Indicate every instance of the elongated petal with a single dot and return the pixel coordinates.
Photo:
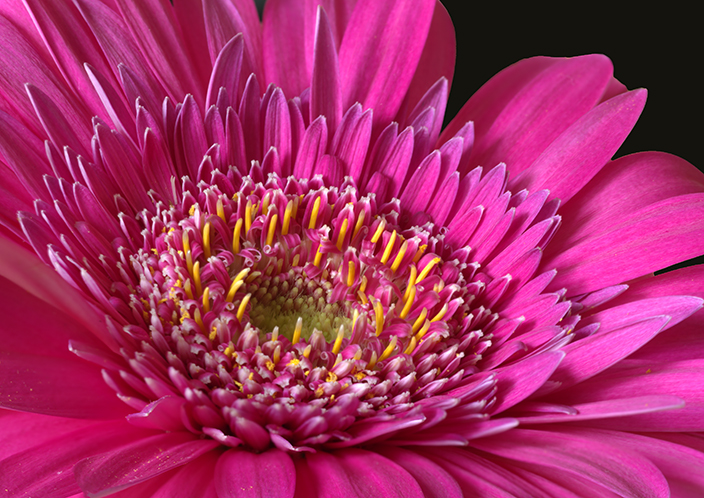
(241, 473)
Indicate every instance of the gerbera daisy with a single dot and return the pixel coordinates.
(245, 259)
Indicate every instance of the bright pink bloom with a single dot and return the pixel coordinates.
(243, 259)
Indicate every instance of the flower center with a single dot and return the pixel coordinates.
(281, 315)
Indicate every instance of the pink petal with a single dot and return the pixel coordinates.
(517, 120)
(434, 481)
(602, 463)
(51, 462)
(569, 162)
(380, 53)
(226, 71)
(325, 95)
(196, 478)
(242, 473)
(355, 472)
(436, 61)
(647, 240)
(138, 461)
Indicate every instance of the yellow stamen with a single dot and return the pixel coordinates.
(389, 247)
(419, 253)
(265, 204)
(296, 202)
(192, 210)
(243, 306)
(206, 299)
(343, 232)
(360, 221)
(236, 236)
(389, 349)
(277, 354)
(372, 362)
(272, 229)
(423, 330)
(221, 210)
(296, 259)
(229, 350)
(306, 352)
(362, 297)
(419, 321)
(379, 231)
(350, 273)
(411, 346)
(411, 281)
(287, 218)
(213, 333)
(198, 319)
(187, 289)
(314, 213)
(379, 316)
(338, 340)
(399, 256)
(275, 334)
(248, 217)
(318, 256)
(187, 252)
(440, 314)
(206, 240)
(236, 284)
(431, 264)
(196, 278)
(409, 302)
(297, 331)
(252, 277)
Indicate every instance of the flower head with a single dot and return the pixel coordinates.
(245, 259)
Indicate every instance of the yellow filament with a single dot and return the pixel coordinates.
(213, 333)
(389, 349)
(318, 256)
(427, 269)
(411, 346)
(379, 231)
(419, 321)
(343, 232)
(314, 213)
(296, 259)
(187, 252)
(206, 299)
(411, 281)
(362, 297)
(241, 275)
(296, 202)
(198, 319)
(440, 314)
(399, 256)
(265, 204)
(236, 284)
(229, 350)
(363, 286)
(248, 217)
(236, 236)
(287, 218)
(196, 278)
(243, 306)
(350, 273)
(206, 240)
(355, 317)
(252, 277)
(423, 330)
(419, 253)
(187, 289)
(277, 354)
(272, 229)
(389, 247)
(306, 352)
(221, 210)
(360, 222)
(372, 361)
(297, 331)
(338, 340)
(379, 316)
(275, 334)
(409, 302)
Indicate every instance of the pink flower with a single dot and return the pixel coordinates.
(243, 259)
